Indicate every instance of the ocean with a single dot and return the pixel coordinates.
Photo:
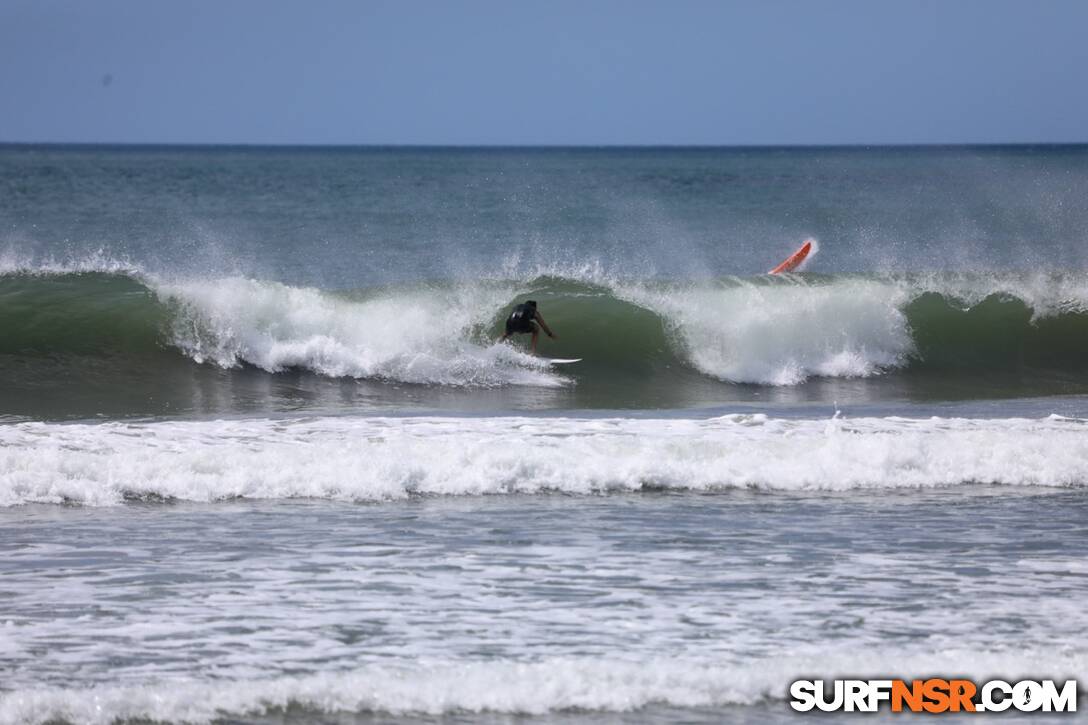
(263, 461)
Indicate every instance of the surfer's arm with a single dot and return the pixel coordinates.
(544, 325)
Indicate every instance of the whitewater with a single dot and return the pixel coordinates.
(380, 459)
(262, 459)
(675, 341)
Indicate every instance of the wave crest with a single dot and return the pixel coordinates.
(376, 459)
(762, 330)
(417, 336)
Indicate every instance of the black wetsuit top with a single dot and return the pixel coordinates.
(521, 319)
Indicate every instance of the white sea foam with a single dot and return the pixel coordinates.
(415, 336)
(411, 335)
(512, 687)
(748, 331)
(373, 459)
(778, 331)
(782, 334)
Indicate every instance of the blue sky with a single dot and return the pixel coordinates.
(556, 72)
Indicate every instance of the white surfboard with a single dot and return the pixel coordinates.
(562, 361)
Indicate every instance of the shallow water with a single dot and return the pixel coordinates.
(531, 604)
(261, 461)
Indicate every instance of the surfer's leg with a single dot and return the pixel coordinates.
(536, 334)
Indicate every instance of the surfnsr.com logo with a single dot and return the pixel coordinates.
(934, 695)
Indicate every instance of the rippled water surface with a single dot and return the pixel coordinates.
(531, 604)
(263, 460)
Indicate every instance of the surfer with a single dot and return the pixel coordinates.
(521, 320)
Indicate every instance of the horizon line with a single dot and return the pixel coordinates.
(544, 146)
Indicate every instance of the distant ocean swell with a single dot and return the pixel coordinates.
(773, 331)
(376, 459)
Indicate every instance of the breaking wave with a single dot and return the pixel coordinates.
(763, 330)
(377, 459)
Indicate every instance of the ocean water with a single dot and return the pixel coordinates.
(262, 460)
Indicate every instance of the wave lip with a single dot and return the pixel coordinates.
(417, 335)
(782, 333)
(421, 336)
(778, 331)
(379, 459)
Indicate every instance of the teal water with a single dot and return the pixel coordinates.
(262, 460)
(356, 217)
(158, 281)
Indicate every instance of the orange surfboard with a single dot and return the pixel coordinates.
(794, 260)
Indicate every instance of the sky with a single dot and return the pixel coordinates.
(554, 72)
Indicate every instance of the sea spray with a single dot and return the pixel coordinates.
(770, 331)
